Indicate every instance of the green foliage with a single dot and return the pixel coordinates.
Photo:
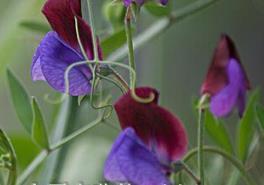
(21, 101)
(260, 116)
(246, 127)
(113, 42)
(39, 132)
(35, 26)
(158, 10)
(114, 13)
(28, 113)
(217, 131)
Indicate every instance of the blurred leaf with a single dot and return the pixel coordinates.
(20, 100)
(2, 181)
(8, 157)
(246, 127)
(113, 42)
(39, 132)
(25, 149)
(217, 132)
(157, 9)
(35, 26)
(114, 13)
(260, 116)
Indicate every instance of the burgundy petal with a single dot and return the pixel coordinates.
(131, 161)
(155, 125)
(55, 58)
(60, 14)
(217, 78)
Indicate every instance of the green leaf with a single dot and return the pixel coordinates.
(217, 132)
(260, 116)
(246, 127)
(113, 42)
(35, 26)
(21, 101)
(39, 132)
(158, 10)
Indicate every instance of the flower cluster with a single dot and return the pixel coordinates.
(152, 138)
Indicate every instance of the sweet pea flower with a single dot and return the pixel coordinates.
(59, 48)
(141, 2)
(131, 161)
(158, 128)
(226, 82)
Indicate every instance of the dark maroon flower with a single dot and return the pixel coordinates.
(59, 48)
(226, 81)
(158, 128)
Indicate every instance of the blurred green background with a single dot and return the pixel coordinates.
(175, 63)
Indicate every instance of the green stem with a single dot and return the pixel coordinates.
(191, 174)
(74, 135)
(200, 145)
(227, 156)
(131, 55)
(32, 166)
(45, 153)
(161, 26)
(12, 177)
(91, 18)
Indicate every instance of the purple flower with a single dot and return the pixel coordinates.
(141, 2)
(60, 48)
(131, 161)
(226, 81)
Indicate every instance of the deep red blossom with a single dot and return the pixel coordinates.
(60, 14)
(156, 126)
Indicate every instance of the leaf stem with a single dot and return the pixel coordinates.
(227, 156)
(191, 173)
(200, 140)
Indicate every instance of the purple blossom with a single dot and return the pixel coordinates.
(59, 49)
(226, 81)
(131, 161)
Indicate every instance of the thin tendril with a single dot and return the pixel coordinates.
(80, 42)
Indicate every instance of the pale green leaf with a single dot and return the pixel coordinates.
(39, 132)
(21, 101)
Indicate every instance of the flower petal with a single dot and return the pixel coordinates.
(164, 2)
(55, 58)
(217, 78)
(131, 161)
(223, 102)
(60, 14)
(36, 71)
(156, 126)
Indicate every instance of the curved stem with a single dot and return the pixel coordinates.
(200, 145)
(234, 161)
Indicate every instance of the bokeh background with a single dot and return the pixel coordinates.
(175, 63)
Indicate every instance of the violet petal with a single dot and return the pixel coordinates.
(223, 102)
(131, 161)
(55, 58)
